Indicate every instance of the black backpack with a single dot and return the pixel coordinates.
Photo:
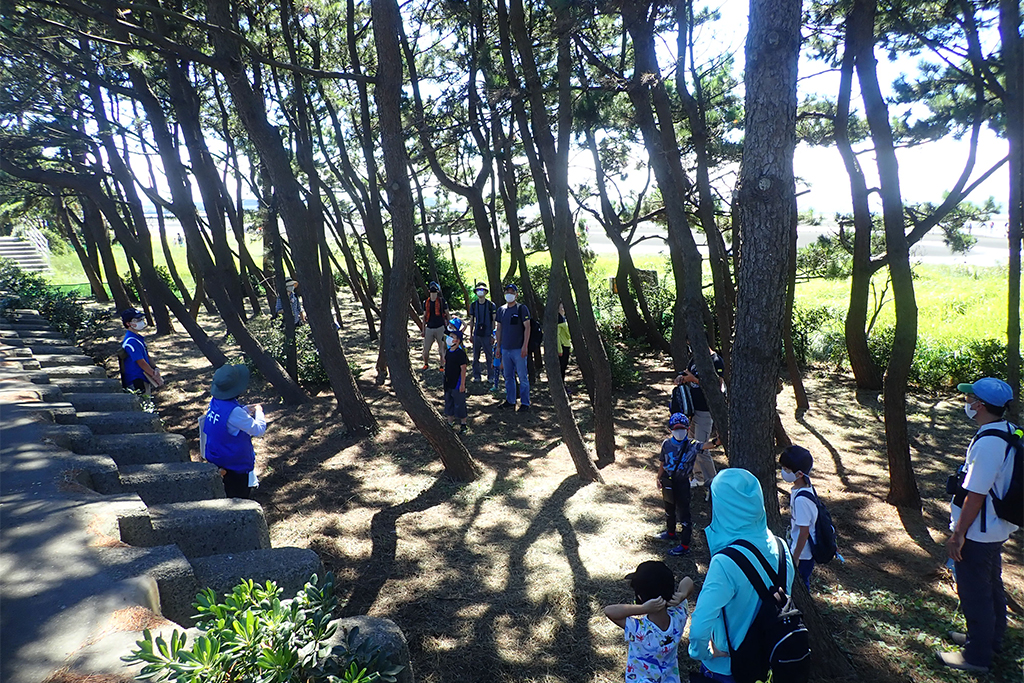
(825, 548)
(1011, 506)
(682, 401)
(536, 332)
(777, 641)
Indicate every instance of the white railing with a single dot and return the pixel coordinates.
(39, 241)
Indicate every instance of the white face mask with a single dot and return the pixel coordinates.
(971, 412)
(679, 434)
(510, 298)
(788, 477)
(450, 341)
(433, 295)
(481, 293)
(138, 325)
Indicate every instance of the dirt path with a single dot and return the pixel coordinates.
(504, 579)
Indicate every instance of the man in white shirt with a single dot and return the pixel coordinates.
(976, 543)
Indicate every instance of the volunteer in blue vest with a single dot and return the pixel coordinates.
(976, 544)
(435, 319)
(138, 372)
(229, 428)
(513, 335)
(481, 320)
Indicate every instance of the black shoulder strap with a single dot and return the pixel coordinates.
(748, 570)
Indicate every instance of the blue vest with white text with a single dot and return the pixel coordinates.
(233, 453)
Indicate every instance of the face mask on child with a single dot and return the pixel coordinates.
(450, 341)
(510, 298)
(678, 434)
(481, 293)
(971, 412)
(138, 325)
(788, 477)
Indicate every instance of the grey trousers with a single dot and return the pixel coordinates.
(700, 429)
(979, 583)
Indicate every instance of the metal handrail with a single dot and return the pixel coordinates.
(39, 241)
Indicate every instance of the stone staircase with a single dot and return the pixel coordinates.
(106, 525)
(25, 253)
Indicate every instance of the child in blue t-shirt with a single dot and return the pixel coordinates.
(138, 372)
(654, 625)
(675, 464)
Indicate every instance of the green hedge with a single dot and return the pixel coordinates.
(63, 310)
(269, 332)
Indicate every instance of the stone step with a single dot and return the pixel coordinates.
(100, 402)
(51, 338)
(76, 438)
(22, 386)
(76, 371)
(55, 412)
(87, 385)
(53, 360)
(141, 449)
(199, 528)
(29, 363)
(173, 482)
(42, 349)
(174, 577)
(289, 568)
(30, 327)
(121, 422)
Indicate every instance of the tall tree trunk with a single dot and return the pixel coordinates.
(1013, 103)
(95, 283)
(94, 229)
(767, 201)
(903, 491)
(386, 30)
(866, 372)
(799, 392)
(557, 284)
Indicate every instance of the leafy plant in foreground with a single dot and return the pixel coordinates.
(252, 635)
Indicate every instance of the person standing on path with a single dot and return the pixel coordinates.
(514, 343)
(978, 533)
(292, 288)
(137, 370)
(564, 345)
(481, 320)
(701, 424)
(435, 319)
(228, 429)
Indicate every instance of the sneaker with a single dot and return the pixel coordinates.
(680, 550)
(955, 660)
(958, 638)
(665, 536)
(524, 409)
(506, 404)
(463, 429)
(425, 367)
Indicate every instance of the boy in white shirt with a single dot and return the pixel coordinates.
(796, 462)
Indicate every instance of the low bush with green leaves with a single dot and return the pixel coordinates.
(269, 332)
(62, 309)
(254, 635)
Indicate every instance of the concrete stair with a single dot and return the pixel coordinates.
(24, 254)
(172, 482)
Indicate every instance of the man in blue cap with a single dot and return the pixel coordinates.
(137, 370)
(228, 429)
(513, 333)
(976, 544)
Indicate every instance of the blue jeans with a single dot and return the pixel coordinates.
(512, 364)
(712, 676)
(979, 584)
(805, 569)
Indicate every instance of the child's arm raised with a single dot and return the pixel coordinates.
(619, 613)
(682, 592)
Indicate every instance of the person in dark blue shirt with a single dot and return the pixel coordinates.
(137, 369)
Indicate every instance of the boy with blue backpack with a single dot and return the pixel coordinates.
(675, 464)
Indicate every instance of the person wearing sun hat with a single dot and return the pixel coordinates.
(978, 533)
(228, 429)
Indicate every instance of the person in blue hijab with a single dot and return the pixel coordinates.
(737, 512)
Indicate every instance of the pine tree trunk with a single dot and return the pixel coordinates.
(1013, 103)
(456, 459)
(903, 491)
(95, 283)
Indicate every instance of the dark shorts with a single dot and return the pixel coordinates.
(455, 403)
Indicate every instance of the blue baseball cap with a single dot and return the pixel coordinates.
(797, 459)
(130, 314)
(992, 391)
(678, 420)
(512, 286)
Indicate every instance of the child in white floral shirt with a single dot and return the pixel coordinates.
(654, 624)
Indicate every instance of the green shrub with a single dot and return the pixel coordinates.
(269, 332)
(62, 309)
(622, 356)
(813, 332)
(253, 636)
(133, 293)
(453, 289)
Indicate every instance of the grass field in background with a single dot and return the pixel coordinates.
(954, 301)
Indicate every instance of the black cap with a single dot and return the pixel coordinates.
(652, 579)
(797, 459)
